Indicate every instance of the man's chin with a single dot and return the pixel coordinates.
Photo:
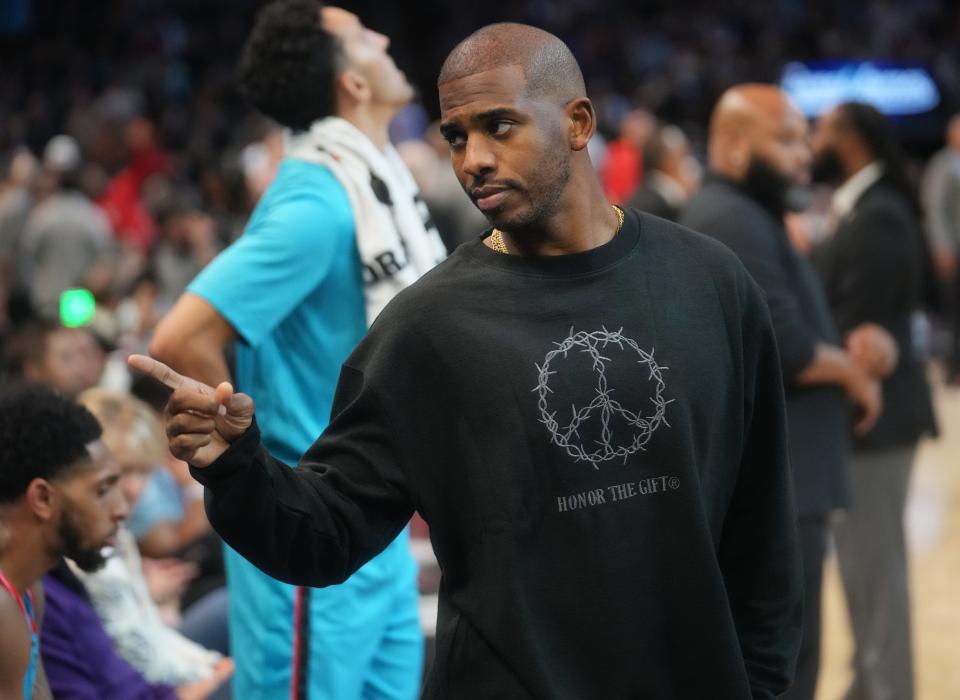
(405, 95)
(501, 223)
(503, 218)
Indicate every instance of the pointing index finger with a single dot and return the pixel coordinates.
(165, 375)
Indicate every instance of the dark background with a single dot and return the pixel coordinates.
(173, 60)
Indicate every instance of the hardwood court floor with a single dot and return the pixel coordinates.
(933, 526)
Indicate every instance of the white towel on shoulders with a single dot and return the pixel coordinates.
(396, 238)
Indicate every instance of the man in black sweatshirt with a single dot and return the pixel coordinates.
(586, 407)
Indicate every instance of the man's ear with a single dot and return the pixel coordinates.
(737, 148)
(42, 499)
(582, 122)
(352, 85)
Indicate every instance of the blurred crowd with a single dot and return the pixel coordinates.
(128, 161)
(119, 251)
(156, 137)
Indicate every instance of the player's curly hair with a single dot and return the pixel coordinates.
(289, 64)
(42, 434)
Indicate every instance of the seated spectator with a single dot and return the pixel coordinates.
(169, 519)
(672, 174)
(622, 170)
(163, 520)
(188, 241)
(67, 238)
(122, 200)
(58, 497)
(120, 592)
(16, 201)
(81, 662)
(66, 359)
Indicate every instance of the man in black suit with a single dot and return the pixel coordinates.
(875, 270)
(670, 177)
(758, 157)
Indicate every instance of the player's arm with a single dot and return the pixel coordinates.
(286, 252)
(14, 647)
(191, 339)
(41, 687)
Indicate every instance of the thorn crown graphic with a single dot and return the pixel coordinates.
(603, 404)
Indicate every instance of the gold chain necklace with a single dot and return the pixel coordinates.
(497, 243)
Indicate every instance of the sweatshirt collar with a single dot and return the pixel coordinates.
(590, 261)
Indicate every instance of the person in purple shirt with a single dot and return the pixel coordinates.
(80, 659)
(58, 496)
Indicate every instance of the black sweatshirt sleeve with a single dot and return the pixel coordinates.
(316, 524)
(759, 550)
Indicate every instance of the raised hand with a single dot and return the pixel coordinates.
(201, 421)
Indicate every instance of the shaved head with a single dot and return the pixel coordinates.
(548, 66)
(742, 107)
(514, 110)
(759, 138)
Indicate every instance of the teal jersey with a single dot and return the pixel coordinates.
(292, 288)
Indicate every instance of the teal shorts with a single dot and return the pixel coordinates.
(358, 640)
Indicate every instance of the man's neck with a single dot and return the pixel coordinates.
(583, 221)
(855, 163)
(24, 563)
(372, 123)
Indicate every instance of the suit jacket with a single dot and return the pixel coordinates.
(874, 269)
(818, 417)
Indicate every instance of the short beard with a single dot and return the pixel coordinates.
(772, 188)
(544, 200)
(828, 168)
(87, 559)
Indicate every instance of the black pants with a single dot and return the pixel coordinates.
(813, 546)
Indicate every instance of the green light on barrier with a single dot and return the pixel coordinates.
(77, 308)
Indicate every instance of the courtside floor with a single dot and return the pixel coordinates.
(933, 524)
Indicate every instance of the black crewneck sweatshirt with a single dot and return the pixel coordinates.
(598, 443)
